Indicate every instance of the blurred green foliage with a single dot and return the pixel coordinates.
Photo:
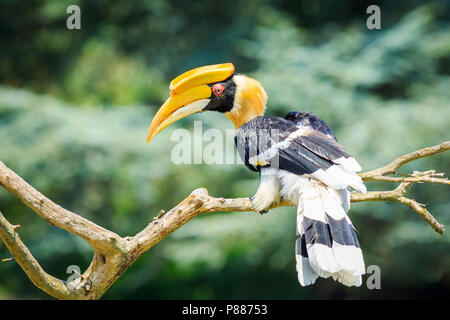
(75, 107)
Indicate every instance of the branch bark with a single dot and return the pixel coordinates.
(114, 254)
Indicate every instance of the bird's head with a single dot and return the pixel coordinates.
(217, 88)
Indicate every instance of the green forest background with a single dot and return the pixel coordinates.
(75, 108)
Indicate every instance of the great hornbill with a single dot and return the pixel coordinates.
(297, 157)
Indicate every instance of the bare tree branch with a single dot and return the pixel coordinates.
(430, 179)
(392, 167)
(96, 236)
(28, 263)
(383, 174)
(113, 254)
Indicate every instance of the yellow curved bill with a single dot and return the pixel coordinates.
(179, 106)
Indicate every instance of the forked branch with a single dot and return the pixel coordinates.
(114, 254)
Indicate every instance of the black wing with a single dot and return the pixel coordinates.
(302, 143)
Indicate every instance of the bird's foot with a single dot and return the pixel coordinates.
(261, 204)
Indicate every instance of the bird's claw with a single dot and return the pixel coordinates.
(257, 208)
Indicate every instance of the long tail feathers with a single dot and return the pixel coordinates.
(327, 245)
(306, 274)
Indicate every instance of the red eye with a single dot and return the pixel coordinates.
(218, 89)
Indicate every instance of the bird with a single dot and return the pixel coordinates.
(298, 160)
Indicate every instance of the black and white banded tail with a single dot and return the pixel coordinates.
(326, 245)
